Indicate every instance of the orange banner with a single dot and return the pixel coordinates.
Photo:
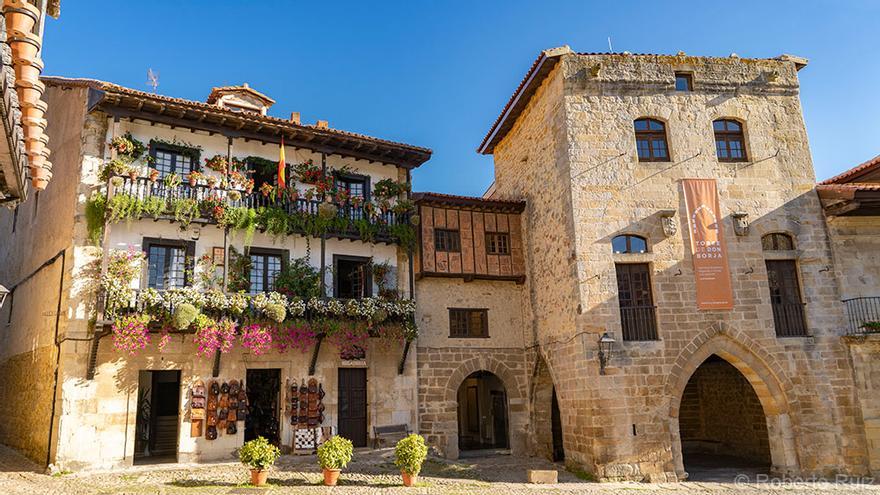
(711, 271)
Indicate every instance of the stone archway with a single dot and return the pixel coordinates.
(545, 422)
(441, 428)
(766, 385)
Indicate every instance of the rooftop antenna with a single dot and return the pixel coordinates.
(610, 48)
(152, 79)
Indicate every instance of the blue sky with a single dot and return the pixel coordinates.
(437, 74)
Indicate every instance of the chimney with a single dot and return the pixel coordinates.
(294, 117)
(322, 124)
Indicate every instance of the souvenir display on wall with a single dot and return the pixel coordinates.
(217, 408)
(197, 409)
(306, 409)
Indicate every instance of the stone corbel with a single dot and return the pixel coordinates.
(740, 223)
(595, 70)
(667, 220)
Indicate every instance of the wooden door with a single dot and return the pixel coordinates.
(499, 419)
(636, 301)
(556, 429)
(785, 298)
(353, 405)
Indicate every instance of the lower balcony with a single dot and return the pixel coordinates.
(789, 319)
(863, 315)
(639, 322)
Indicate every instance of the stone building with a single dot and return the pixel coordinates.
(851, 202)
(190, 187)
(598, 146)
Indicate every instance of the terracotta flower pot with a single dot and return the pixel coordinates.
(28, 75)
(32, 132)
(37, 160)
(40, 123)
(259, 477)
(25, 48)
(409, 479)
(331, 476)
(40, 178)
(21, 17)
(35, 147)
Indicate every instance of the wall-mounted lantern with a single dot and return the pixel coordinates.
(3, 293)
(667, 219)
(740, 223)
(606, 348)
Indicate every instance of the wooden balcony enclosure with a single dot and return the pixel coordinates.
(470, 238)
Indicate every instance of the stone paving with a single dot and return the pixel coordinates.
(373, 472)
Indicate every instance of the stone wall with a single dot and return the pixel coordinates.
(865, 353)
(571, 154)
(855, 242)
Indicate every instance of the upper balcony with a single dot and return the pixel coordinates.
(863, 315)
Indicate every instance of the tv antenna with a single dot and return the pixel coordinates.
(152, 79)
(610, 48)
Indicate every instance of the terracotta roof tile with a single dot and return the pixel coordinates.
(862, 169)
(473, 201)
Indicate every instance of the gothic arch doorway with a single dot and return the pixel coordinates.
(722, 424)
(482, 413)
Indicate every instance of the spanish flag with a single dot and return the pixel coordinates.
(282, 179)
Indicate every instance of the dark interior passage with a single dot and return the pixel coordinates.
(158, 418)
(263, 393)
(482, 413)
(721, 421)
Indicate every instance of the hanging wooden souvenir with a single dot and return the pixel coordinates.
(197, 409)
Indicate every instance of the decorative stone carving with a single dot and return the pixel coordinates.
(740, 223)
(667, 219)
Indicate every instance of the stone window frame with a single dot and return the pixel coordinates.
(728, 135)
(793, 255)
(687, 75)
(652, 134)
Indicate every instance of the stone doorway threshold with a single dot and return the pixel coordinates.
(471, 454)
(721, 468)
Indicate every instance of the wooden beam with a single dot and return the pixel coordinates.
(402, 364)
(314, 362)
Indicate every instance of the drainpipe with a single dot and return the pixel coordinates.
(323, 235)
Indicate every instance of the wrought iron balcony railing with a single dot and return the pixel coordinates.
(143, 188)
(863, 315)
(639, 322)
(789, 319)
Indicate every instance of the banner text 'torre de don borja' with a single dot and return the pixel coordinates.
(709, 254)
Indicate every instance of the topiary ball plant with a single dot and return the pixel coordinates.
(410, 453)
(335, 453)
(259, 455)
(184, 315)
(275, 312)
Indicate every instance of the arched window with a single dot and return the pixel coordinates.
(777, 242)
(651, 140)
(624, 244)
(730, 143)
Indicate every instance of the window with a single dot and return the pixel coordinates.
(729, 141)
(171, 159)
(637, 315)
(447, 240)
(169, 263)
(265, 267)
(468, 323)
(497, 243)
(651, 140)
(777, 242)
(352, 277)
(354, 185)
(785, 298)
(684, 81)
(626, 244)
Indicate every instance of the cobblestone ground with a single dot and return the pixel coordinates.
(373, 472)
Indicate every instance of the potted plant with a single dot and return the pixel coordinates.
(409, 454)
(194, 178)
(249, 186)
(259, 455)
(212, 181)
(266, 189)
(133, 173)
(154, 175)
(333, 455)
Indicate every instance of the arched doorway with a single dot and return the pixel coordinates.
(722, 424)
(482, 413)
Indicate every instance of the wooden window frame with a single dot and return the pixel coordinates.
(651, 136)
(349, 177)
(456, 240)
(188, 260)
(638, 323)
(194, 155)
(727, 137)
(689, 77)
(368, 279)
(484, 317)
(629, 244)
(284, 254)
(491, 240)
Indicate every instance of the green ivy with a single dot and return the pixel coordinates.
(124, 207)
(154, 206)
(241, 218)
(404, 235)
(96, 211)
(185, 210)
